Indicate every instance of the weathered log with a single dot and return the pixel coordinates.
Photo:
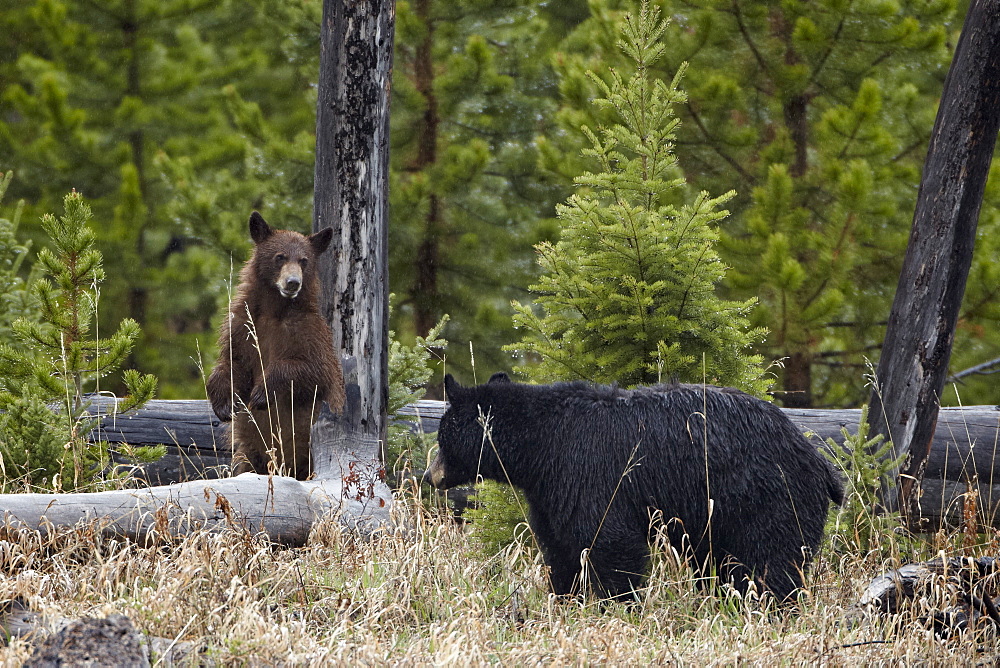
(284, 509)
(966, 441)
(963, 456)
(197, 442)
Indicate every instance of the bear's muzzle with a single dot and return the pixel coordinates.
(434, 476)
(290, 280)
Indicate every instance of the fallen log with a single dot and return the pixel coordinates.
(963, 455)
(963, 459)
(349, 485)
(284, 509)
(196, 440)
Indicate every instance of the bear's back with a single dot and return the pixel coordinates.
(606, 427)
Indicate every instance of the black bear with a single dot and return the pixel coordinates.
(276, 360)
(602, 468)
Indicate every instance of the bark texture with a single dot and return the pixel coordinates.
(351, 190)
(918, 341)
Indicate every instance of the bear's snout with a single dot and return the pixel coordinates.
(290, 281)
(434, 476)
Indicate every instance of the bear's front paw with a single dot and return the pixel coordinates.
(258, 398)
(224, 412)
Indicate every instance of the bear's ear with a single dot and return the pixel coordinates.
(321, 240)
(259, 229)
(499, 377)
(452, 389)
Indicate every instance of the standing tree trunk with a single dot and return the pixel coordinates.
(918, 340)
(424, 292)
(797, 389)
(351, 191)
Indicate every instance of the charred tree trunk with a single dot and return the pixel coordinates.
(918, 340)
(351, 190)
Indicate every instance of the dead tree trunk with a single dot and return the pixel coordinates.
(351, 191)
(918, 340)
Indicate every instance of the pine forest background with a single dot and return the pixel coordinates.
(176, 118)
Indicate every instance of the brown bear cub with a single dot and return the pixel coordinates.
(276, 359)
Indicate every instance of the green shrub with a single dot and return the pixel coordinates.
(54, 360)
(861, 525)
(410, 369)
(498, 518)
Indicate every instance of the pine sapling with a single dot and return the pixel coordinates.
(628, 293)
(62, 357)
(861, 525)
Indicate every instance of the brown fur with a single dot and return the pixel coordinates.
(276, 359)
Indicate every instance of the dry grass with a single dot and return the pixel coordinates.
(422, 596)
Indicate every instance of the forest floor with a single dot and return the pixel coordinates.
(426, 596)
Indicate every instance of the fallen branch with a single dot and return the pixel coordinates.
(947, 595)
(986, 369)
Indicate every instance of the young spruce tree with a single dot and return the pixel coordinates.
(63, 357)
(819, 115)
(628, 293)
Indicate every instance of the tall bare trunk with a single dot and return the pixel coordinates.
(351, 191)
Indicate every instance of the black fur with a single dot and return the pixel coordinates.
(569, 445)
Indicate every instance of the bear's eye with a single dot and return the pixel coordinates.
(280, 257)
(303, 262)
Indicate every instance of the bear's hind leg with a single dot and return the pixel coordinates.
(782, 577)
(249, 451)
(619, 567)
